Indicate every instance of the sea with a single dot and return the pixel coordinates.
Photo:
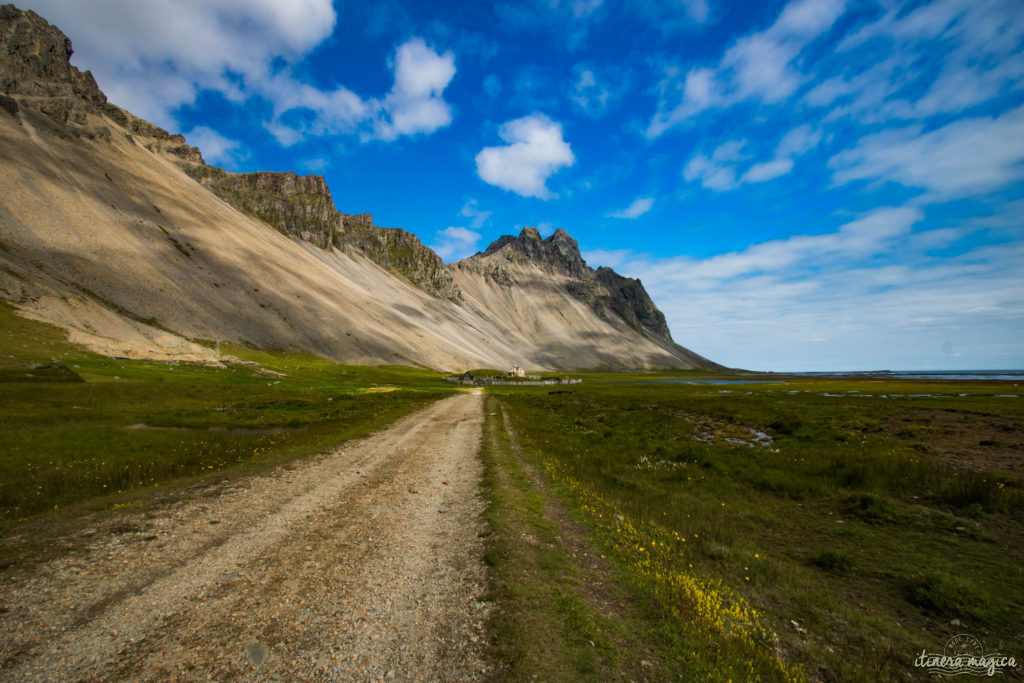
(1008, 375)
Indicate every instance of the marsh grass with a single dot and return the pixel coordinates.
(862, 533)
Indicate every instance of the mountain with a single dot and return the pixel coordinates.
(542, 289)
(118, 231)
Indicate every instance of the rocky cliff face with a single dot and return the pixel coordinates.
(298, 206)
(627, 297)
(34, 65)
(606, 292)
(397, 250)
(36, 74)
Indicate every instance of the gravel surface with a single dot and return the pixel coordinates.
(362, 564)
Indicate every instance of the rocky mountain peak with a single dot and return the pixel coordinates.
(628, 298)
(567, 246)
(35, 67)
(35, 59)
(530, 233)
(559, 251)
(36, 74)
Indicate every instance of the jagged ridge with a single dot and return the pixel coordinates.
(36, 66)
(603, 290)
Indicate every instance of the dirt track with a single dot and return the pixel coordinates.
(365, 563)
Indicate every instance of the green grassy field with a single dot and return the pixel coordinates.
(79, 428)
(828, 529)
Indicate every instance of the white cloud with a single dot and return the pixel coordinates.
(798, 141)
(215, 148)
(316, 164)
(413, 106)
(534, 151)
(592, 96)
(285, 135)
(477, 217)
(719, 172)
(767, 170)
(639, 207)
(758, 66)
(453, 243)
(967, 157)
(828, 91)
(415, 103)
(612, 258)
(581, 9)
(862, 237)
(972, 51)
(596, 90)
(335, 111)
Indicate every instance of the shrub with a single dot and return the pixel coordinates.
(944, 595)
(836, 561)
(871, 508)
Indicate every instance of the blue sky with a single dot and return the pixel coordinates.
(803, 185)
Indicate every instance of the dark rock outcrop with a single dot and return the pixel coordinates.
(558, 252)
(36, 73)
(399, 251)
(34, 62)
(627, 297)
(297, 206)
(154, 138)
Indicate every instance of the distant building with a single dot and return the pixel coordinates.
(514, 377)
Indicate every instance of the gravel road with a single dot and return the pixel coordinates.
(362, 564)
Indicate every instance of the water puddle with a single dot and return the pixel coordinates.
(221, 430)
